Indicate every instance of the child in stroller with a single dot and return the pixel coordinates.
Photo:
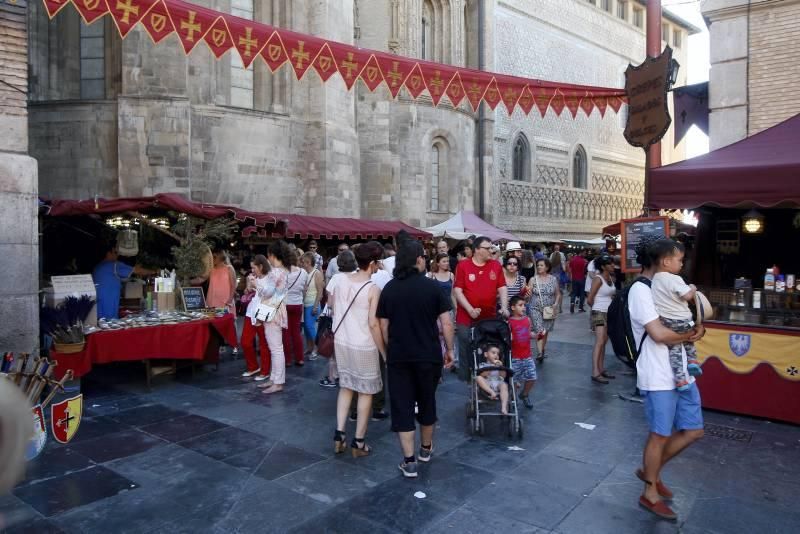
(491, 376)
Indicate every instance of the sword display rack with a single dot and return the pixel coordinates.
(32, 374)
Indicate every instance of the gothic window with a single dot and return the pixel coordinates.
(436, 31)
(93, 58)
(606, 5)
(241, 78)
(427, 30)
(521, 159)
(435, 154)
(438, 178)
(579, 169)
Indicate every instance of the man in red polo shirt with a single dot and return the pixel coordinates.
(479, 284)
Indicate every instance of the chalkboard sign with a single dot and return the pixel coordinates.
(193, 298)
(632, 231)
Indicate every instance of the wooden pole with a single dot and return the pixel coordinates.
(653, 49)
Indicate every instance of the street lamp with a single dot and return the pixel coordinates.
(753, 222)
(672, 79)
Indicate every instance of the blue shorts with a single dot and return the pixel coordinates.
(670, 409)
(524, 369)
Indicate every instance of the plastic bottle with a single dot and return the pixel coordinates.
(769, 280)
(780, 284)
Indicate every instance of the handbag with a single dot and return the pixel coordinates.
(325, 344)
(265, 313)
(548, 312)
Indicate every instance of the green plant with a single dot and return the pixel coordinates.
(198, 237)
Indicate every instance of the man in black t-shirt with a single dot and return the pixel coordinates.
(410, 309)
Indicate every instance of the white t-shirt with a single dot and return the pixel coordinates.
(388, 265)
(297, 280)
(381, 278)
(332, 270)
(590, 272)
(668, 289)
(653, 372)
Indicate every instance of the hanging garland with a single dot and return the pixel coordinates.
(277, 47)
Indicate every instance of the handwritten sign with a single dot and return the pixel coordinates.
(74, 285)
(193, 298)
(648, 114)
(632, 232)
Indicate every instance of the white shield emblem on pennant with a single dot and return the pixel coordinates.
(739, 344)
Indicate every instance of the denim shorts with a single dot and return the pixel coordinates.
(673, 409)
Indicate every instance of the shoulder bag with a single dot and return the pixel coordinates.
(325, 344)
(265, 313)
(548, 312)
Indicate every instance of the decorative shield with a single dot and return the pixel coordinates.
(65, 417)
(739, 344)
(648, 113)
(37, 442)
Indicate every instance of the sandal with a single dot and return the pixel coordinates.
(526, 401)
(606, 374)
(599, 379)
(363, 450)
(339, 442)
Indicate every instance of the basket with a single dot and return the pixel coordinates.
(69, 348)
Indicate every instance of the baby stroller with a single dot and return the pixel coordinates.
(495, 332)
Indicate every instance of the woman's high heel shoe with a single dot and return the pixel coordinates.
(339, 442)
(359, 451)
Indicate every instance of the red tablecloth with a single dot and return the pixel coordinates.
(185, 341)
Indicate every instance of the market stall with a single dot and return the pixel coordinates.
(746, 260)
(465, 224)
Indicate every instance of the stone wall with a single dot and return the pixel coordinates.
(19, 236)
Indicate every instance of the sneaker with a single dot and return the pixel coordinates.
(248, 374)
(261, 378)
(353, 416)
(313, 356)
(379, 416)
(328, 383)
(409, 469)
(425, 454)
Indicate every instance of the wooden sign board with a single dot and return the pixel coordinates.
(648, 114)
(193, 298)
(632, 231)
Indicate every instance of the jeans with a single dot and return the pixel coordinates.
(578, 292)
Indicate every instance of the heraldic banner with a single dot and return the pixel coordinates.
(741, 350)
(276, 47)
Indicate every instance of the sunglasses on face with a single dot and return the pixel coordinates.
(485, 248)
(512, 263)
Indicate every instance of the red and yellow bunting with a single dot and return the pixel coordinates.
(222, 32)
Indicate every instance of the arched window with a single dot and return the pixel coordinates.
(435, 177)
(579, 168)
(521, 159)
(427, 30)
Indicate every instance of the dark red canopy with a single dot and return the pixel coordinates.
(762, 170)
(308, 226)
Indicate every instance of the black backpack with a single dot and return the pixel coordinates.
(620, 331)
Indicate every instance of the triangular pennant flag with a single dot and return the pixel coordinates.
(414, 83)
(248, 37)
(557, 103)
(601, 103)
(455, 90)
(157, 22)
(475, 84)
(436, 78)
(127, 13)
(325, 65)
(191, 22)
(615, 102)
(492, 95)
(525, 101)
(371, 75)
(219, 38)
(54, 6)
(572, 101)
(274, 53)
(90, 10)
(587, 104)
(350, 61)
(510, 92)
(542, 98)
(395, 70)
(302, 50)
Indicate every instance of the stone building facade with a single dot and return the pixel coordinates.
(755, 66)
(113, 117)
(19, 231)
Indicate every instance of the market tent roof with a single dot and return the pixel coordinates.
(599, 242)
(762, 170)
(466, 223)
(309, 226)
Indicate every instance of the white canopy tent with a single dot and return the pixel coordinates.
(466, 223)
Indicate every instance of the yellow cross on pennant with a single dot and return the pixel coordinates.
(191, 26)
(395, 75)
(127, 8)
(247, 41)
(349, 65)
(437, 84)
(300, 55)
(475, 91)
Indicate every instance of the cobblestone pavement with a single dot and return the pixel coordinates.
(210, 453)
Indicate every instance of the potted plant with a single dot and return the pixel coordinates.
(64, 323)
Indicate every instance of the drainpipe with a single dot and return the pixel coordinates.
(481, 118)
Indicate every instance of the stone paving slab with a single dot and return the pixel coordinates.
(211, 453)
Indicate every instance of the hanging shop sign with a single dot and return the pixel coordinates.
(276, 47)
(648, 114)
(632, 232)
